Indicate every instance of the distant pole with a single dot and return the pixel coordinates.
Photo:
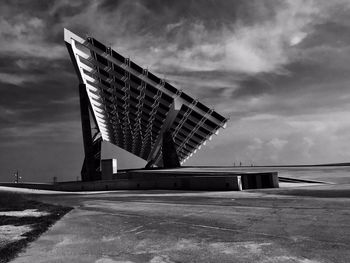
(17, 177)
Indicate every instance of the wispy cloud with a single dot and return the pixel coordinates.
(53, 132)
(238, 47)
(14, 78)
(23, 36)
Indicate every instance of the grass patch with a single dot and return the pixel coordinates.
(19, 202)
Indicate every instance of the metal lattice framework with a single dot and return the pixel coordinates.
(133, 107)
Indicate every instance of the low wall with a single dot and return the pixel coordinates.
(135, 181)
(260, 180)
(38, 186)
(170, 183)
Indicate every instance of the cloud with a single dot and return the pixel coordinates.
(172, 26)
(23, 35)
(283, 140)
(14, 79)
(52, 132)
(277, 143)
(297, 38)
(194, 44)
(238, 47)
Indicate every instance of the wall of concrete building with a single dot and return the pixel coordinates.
(178, 182)
(108, 168)
(170, 183)
(260, 180)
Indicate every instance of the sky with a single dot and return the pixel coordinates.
(279, 69)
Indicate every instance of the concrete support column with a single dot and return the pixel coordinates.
(170, 157)
(237, 183)
(274, 180)
(92, 148)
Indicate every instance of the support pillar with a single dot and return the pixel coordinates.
(170, 157)
(92, 145)
(165, 141)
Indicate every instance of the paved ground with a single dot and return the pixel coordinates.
(161, 226)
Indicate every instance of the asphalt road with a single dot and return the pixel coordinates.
(172, 226)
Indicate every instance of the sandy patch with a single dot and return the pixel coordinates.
(239, 247)
(183, 244)
(66, 241)
(25, 213)
(108, 238)
(109, 260)
(288, 259)
(10, 233)
(161, 259)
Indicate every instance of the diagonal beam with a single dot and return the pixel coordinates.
(92, 145)
(171, 116)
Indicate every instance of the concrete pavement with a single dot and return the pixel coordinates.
(163, 226)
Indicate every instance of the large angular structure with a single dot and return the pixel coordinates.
(134, 109)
